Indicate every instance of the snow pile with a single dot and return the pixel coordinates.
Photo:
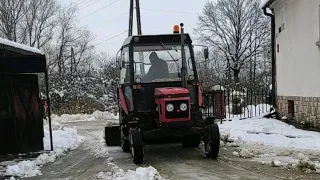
(270, 132)
(64, 139)
(97, 115)
(273, 142)
(148, 173)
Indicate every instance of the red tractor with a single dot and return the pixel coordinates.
(160, 97)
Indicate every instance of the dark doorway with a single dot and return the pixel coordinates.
(290, 109)
(21, 118)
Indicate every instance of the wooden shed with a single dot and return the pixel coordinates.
(21, 109)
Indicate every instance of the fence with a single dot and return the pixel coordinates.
(231, 103)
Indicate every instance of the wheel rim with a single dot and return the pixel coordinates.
(208, 142)
(131, 143)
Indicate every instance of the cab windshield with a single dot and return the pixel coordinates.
(157, 63)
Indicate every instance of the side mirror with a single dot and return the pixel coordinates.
(206, 53)
(123, 64)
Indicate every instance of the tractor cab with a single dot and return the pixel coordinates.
(148, 62)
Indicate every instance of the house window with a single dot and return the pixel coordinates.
(278, 48)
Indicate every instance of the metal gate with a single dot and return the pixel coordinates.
(214, 103)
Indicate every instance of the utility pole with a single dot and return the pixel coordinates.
(138, 17)
(139, 29)
(130, 18)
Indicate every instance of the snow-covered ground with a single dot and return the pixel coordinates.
(96, 144)
(273, 142)
(64, 140)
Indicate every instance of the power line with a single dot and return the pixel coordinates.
(110, 38)
(83, 1)
(163, 10)
(89, 4)
(100, 9)
(112, 19)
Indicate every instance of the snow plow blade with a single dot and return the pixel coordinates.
(112, 135)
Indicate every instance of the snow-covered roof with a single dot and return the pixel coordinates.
(19, 46)
(266, 3)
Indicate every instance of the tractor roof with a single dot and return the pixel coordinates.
(152, 39)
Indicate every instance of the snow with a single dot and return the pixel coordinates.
(20, 46)
(97, 115)
(64, 139)
(272, 141)
(98, 148)
(271, 132)
(141, 173)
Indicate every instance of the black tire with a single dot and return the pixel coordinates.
(191, 141)
(212, 141)
(112, 136)
(125, 145)
(136, 145)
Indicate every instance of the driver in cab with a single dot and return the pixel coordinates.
(158, 70)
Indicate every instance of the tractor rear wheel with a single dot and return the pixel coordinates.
(136, 145)
(191, 141)
(212, 141)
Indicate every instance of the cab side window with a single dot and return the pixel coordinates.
(124, 64)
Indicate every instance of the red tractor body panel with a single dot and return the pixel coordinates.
(123, 103)
(174, 96)
(170, 91)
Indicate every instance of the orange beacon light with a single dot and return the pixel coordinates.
(176, 29)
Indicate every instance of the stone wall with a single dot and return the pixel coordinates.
(306, 109)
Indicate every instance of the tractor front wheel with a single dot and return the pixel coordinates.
(136, 145)
(125, 145)
(212, 141)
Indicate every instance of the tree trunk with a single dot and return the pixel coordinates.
(236, 78)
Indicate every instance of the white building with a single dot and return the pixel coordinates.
(297, 58)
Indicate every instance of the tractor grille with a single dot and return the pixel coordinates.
(174, 114)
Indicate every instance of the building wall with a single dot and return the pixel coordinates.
(298, 59)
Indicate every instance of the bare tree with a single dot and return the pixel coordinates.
(237, 28)
(39, 22)
(11, 13)
(65, 34)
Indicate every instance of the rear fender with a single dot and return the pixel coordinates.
(123, 103)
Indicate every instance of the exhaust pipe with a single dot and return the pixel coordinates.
(183, 56)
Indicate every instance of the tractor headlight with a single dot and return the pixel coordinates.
(169, 107)
(183, 106)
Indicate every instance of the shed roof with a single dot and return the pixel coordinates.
(19, 58)
(10, 46)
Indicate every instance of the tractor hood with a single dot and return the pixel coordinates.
(171, 92)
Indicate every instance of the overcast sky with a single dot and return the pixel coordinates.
(157, 16)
